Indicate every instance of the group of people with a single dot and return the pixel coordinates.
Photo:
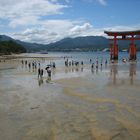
(77, 63)
(73, 63)
(32, 64)
(68, 63)
(35, 65)
(48, 69)
(97, 63)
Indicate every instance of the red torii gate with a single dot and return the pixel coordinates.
(124, 35)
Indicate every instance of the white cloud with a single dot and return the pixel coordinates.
(23, 21)
(36, 35)
(80, 30)
(54, 30)
(123, 28)
(49, 31)
(24, 12)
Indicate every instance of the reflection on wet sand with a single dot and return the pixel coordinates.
(83, 107)
(40, 81)
(132, 72)
(114, 72)
(74, 69)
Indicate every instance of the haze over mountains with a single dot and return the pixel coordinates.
(87, 43)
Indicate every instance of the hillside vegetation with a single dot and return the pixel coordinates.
(8, 47)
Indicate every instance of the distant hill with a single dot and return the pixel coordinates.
(86, 43)
(5, 38)
(8, 47)
(29, 46)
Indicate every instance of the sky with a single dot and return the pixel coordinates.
(47, 21)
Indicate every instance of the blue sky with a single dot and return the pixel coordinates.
(45, 21)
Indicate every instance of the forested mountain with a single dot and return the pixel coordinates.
(29, 46)
(8, 47)
(86, 43)
(79, 43)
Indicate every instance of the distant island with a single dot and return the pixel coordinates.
(84, 43)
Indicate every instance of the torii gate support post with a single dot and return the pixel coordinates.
(132, 50)
(115, 49)
(111, 51)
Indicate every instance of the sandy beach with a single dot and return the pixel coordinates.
(76, 104)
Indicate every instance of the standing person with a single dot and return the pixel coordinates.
(66, 63)
(90, 60)
(41, 73)
(49, 73)
(69, 63)
(92, 66)
(33, 64)
(97, 61)
(22, 62)
(72, 62)
(53, 64)
(26, 62)
(39, 64)
(29, 65)
(106, 62)
(101, 64)
(38, 72)
(96, 66)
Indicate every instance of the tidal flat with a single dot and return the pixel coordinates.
(78, 103)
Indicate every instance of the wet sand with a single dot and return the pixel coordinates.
(77, 104)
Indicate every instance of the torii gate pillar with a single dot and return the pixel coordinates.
(114, 49)
(132, 49)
